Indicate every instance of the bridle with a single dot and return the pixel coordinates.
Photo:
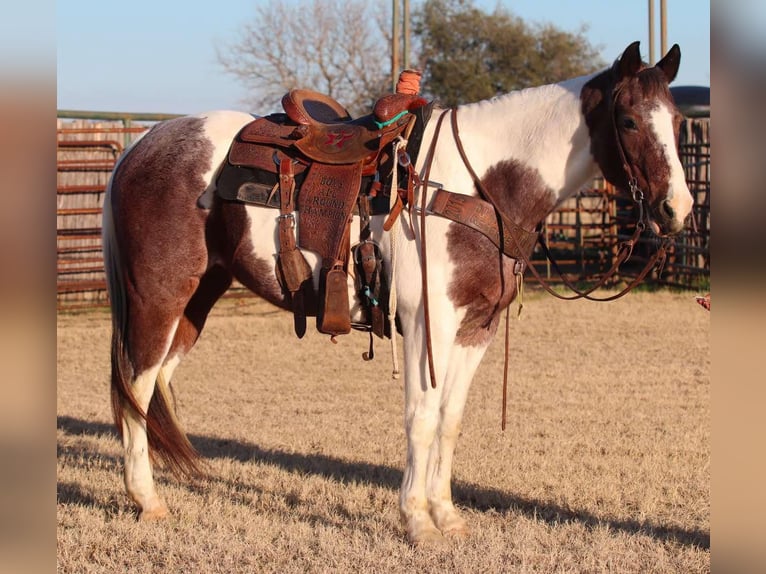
(626, 247)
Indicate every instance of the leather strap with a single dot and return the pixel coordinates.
(423, 255)
(480, 215)
(290, 260)
(286, 205)
(631, 181)
(506, 361)
(626, 248)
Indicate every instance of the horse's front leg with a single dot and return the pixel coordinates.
(421, 419)
(423, 408)
(463, 362)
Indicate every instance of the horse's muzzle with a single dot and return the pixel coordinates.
(665, 221)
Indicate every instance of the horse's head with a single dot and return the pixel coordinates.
(634, 125)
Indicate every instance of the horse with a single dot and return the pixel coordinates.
(172, 247)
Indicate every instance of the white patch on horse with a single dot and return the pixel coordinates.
(170, 366)
(678, 195)
(219, 126)
(539, 127)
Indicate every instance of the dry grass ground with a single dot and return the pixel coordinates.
(604, 466)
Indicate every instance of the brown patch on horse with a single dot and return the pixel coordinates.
(162, 173)
(635, 94)
(212, 286)
(478, 285)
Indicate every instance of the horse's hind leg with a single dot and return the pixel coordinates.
(170, 336)
(212, 286)
(156, 300)
(139, 481)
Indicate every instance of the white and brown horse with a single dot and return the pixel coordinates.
(172, 248)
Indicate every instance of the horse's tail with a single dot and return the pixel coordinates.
(167, 441)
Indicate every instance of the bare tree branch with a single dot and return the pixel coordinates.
(338, 47)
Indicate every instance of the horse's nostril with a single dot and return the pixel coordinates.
(666, 210)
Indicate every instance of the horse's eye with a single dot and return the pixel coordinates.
(629, 123)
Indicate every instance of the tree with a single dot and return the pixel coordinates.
(469, 55)
(338, 47)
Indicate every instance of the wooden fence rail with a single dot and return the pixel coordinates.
(583, 233)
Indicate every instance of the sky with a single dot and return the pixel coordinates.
(160, 56)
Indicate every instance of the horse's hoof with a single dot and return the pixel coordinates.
(428, 539)
(449, 522)
(157, 513)
(457, 531)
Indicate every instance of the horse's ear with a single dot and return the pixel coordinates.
(669, 64)
(629, 63)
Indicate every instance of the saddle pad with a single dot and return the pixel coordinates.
(325, 202)
(257, 187)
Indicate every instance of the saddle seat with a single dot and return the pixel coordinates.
(306, 107)
(309, 108)
(326, 132)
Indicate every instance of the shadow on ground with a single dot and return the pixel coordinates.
(464, 494)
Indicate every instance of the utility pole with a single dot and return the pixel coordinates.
(394, 44)
(406, 58)
(399, 55)
(652, 59)
(663, 30)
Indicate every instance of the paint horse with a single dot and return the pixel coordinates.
(172, 247)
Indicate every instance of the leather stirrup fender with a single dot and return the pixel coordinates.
(293, 270)
(334, 316)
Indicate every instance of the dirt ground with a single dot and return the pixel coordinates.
(604, 466)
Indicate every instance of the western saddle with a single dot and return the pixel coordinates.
(315, 159)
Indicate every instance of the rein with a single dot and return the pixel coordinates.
(521, 249)
(423, 258)
(626, 248)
